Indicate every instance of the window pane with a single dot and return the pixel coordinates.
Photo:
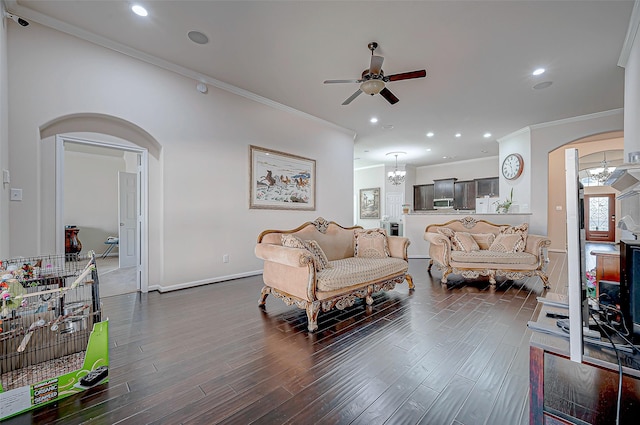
(599, 213)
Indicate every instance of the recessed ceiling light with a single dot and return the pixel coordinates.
(487, 135)
(198, 37)
(387, 127)
(373, 120)
(458, 134)
(542, 85)
(139, 10)
(539, 71)
(430, 134)
(428, 149)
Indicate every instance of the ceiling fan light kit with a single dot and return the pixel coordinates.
(373, 79)
(372, 87)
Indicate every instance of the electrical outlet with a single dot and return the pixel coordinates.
(225, 258)
(16, 194)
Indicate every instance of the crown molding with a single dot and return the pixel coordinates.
(524, 130)
(603, 114)
(47, 21)
(632, 33)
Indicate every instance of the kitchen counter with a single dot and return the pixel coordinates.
(415, 223)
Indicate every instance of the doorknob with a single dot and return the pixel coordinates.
(121, 224)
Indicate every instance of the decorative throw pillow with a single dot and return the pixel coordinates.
(484, 240)
(521, 230)
(319, 258)
(507, 243)
(371, 243)
(448, 233)
(465, 242)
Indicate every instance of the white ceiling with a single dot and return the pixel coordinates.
(479, 56)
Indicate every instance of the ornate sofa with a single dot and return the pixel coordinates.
(474, 248)
(322, 265)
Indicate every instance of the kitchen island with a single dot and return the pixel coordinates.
(415, 223)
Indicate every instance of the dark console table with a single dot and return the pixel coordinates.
(566, 392)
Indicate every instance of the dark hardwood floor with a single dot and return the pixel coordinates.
(437, 355)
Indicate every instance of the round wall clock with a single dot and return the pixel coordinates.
(512, 166)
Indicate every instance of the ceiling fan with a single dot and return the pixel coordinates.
(373, 79)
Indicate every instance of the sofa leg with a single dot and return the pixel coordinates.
(444, 275)
(429, 266)
(545, 279)
(492, 279)
(312, 315)
(409, 280)
(263, 295)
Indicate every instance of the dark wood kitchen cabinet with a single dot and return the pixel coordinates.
(465, 195)
(444, 188)
(423, 197)
(489, 186)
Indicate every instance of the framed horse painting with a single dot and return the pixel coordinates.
(281, 181)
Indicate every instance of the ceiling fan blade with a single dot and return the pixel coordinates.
(341, 81)
(376, 64)
(353, 96)
(391, 98)
(408, 75)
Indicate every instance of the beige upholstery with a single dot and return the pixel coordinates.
(290, 273)
(484, 262)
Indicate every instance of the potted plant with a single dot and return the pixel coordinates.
(405, 208)
(503, 207)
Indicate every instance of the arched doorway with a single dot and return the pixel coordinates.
(116, 134)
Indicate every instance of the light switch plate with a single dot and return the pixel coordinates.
(16, 194)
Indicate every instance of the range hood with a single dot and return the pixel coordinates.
(626, 179)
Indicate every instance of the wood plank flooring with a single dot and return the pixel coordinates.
(437, 355)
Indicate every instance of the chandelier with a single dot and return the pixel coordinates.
(396, 177)
(602, 173)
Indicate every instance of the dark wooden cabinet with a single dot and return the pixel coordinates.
(489, 186)
(444, 189)
(423, 197)
(465, 195)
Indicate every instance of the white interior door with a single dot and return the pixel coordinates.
(128, 218)
(393, 204)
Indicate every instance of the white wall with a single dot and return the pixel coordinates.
(367, 178)
(518, 142)
(632, 89)
(96, 216)
(631, 206)
(462, 170)
(198, 199)
(549, 136)
(4, 139)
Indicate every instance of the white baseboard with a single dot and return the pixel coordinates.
(195, 283)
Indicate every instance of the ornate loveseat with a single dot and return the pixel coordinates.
(474, 248)
(322, 265)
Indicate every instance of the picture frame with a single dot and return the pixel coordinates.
(281, 181)
(370, 203)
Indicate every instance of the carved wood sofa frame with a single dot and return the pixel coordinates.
(440, 249)
(290, 273)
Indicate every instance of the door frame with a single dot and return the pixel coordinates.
(142, 268)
